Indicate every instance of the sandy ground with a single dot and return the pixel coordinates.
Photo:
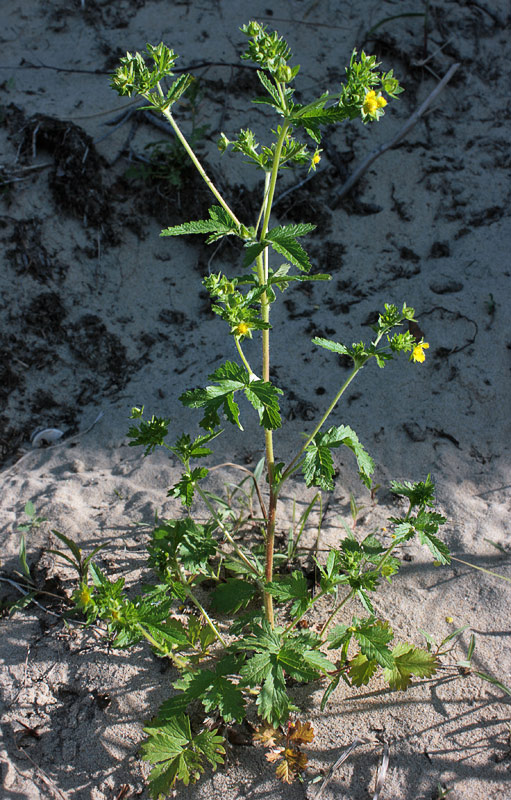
(99, 314)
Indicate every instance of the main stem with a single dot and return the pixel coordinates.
(262, 272)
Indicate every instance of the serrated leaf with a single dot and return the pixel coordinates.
(251, 253)
(284, 241)
(361, 670)
(373, 637)
(267, 735)
(291, 587)
(318, 467)
(409, 661)
(293, 762)
(218, 225)
(272, 700)
(270, 88)
(301, 732)
(178, 755)
(232, 595)
(339, 636)
(264, 398)
(328, 344)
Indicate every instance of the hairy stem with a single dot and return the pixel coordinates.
(207, 180)
(335, 611)
(239, 552)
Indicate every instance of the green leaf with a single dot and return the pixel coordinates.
(408, 661)
(232, 595)
(177, 89)
(264, 398)
(291, 587)
(361, 670)
(421, 493)
(339, 636)
(328, 344)
(178, 755)
(318, 468)
(218, 225)
(373, 637)
(284, 241)
(426, 524)
(270, 88)
(272, 700)
(185, 488)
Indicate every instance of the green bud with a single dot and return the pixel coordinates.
(284, 74)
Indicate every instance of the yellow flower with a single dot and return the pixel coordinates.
(316, 158)
(241, 329)
(418, 353)
(85, 596)
(372, 103)
(449, 619)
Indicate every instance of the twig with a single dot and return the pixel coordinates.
(26, 592)
(45, 777)
(337, 764)
(382, 772)
(407, 127)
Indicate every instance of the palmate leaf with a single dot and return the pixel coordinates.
(232, 378)
(291, 587)
(178, 755)
(213, 688)
(272, 700)
(184, 489)
(409, 661)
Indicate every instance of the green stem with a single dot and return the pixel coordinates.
(209, 183)
(291, 468)
(262, 272)
(227, 535)
(242, 356)
(335, 611)
(191, 596)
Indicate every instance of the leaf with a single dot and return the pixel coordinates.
(272, 700)
(339, 636)
(328, 344)
(263, 396)
(318, 468)
(408, 661)
(270, 88)
(252, 251)
(426, 524)
(301, 732)
(185, 488)
(232, 595)
(218, 225)
(421, 493)
(361, 670)
(178, 88)
(373, 637)
(178, 755)
(293, 762)
(291, 587)
(267, 735)
(284, 241)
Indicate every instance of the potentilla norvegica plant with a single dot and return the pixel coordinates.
(227, 665)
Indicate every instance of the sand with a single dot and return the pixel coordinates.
(99, 314)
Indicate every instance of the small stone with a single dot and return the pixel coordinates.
(446, 287)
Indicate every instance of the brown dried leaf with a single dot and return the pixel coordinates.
(301, 733)
(267, 735)
(274, 755)
(292, 763)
